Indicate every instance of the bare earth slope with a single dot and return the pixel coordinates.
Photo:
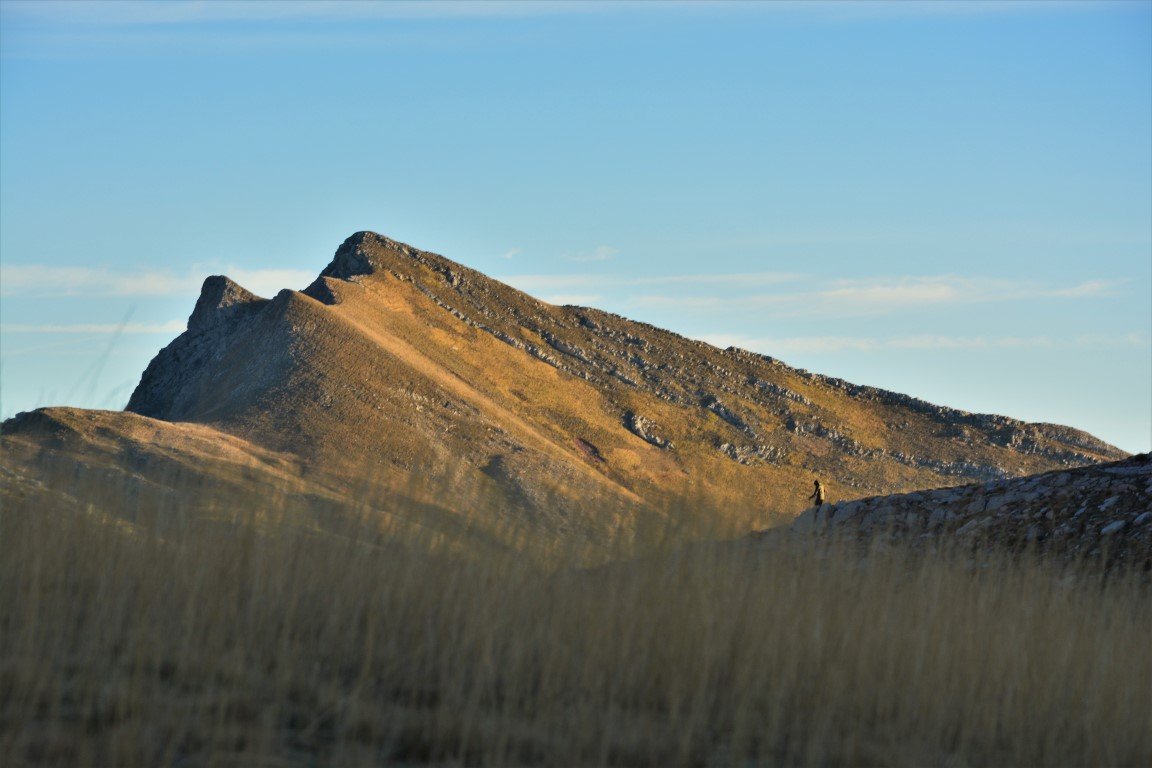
(397, 364)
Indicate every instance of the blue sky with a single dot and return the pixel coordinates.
(952, 200)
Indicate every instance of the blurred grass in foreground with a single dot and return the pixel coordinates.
(252, 643)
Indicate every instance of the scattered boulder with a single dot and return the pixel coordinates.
(644, 429)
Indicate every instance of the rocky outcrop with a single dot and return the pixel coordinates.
(233, 349)
(645, 430)
(1062, 444)
(221, 302)
(754, 454)
(1099, 511)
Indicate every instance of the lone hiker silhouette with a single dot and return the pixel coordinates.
(817, 496)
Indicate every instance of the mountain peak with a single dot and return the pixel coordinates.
(221, 300)
(365, 253)
(407, 360)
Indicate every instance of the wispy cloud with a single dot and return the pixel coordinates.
(36, 280)
(39, 29)
(182, 12)
(1089, 288)
(1103, 341)
(930, 341)
(921, 290)
(883, 10)
(921, 342)
(575, 299)
(173, 12)
(531, 283)
(879, 296)
(173, 326)
(537, 283)
(512, 253)
(599, 253)
(721, 278)
(269, 282)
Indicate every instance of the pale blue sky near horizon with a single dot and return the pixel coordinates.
(952, 200)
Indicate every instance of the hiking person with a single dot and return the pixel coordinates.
(817, 496)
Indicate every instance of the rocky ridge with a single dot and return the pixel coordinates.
(609, 350)
(1103, 510)
(397, 366)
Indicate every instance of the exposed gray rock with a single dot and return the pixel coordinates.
(1114, 527)
(221, 301)
(185, 380)
(754, 454)
(644, 429)
(770, 388)
(1065, 511)
(711, 403)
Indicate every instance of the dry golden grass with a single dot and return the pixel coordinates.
(249, 643)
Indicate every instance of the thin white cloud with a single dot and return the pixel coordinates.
(36, 280)
(39, 280)
(173, 326)
(722, 278)
(110, 13)
(904, 293)
(922, 342)
(879, 296)
(269, 282)
(576, 299)
(68, 28)
(1089, 288)
(883, 10)
(918, 290)
(929, 341)
(778, 346)
(599, 253)
(1100, 340)
(531, 283)
(184, 12)
(512, 253)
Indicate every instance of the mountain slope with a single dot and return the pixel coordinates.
(1103, 510)
(397, 364)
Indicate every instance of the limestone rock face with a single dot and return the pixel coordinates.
(1101, 510)
(645, 430)
(353, 256)
(229, 350)
(221, 301)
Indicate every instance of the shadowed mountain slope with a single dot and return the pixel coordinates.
(1099, 511)
(397, 364)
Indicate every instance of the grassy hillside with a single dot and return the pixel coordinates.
(255, 637)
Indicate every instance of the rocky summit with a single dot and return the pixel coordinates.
(398, 368)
